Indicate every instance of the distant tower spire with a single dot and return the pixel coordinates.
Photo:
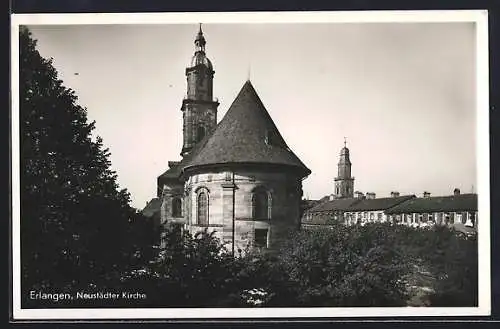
(344, 182)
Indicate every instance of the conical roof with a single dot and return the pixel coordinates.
(246, 135)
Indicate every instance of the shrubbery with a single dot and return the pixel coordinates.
(372, 265)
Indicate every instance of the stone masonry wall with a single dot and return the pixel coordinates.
(285, 191)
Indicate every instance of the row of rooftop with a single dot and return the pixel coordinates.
(372, 195)
(397, 204)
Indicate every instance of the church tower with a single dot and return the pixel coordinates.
(199, 109)
(344, 183)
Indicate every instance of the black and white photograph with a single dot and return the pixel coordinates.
(250, 165)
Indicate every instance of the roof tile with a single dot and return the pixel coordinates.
(461, 202)
(379, 203)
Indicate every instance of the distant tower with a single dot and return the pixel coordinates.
(344, 183)
(199, 109)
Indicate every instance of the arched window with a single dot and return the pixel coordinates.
(260, 204)
(200, 133)
(202, 208)
(176, 207)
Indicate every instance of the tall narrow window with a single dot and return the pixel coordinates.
(472, 219)
(464, 217)
(202, 208)
(260, 238)
(260, 205)
(200, 132)
(176, 207)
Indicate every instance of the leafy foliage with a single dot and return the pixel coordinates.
(454, 264)
(190, 271)
(373, 265)
(344, 266)
(77, 228)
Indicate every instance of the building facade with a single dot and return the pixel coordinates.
(373, 210)
(237, 178)
(456, 210)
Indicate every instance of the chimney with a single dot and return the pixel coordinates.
(370, 195)
(394, 194)
(456, 191)
(359, 195)
(332, 197)
(427, 194)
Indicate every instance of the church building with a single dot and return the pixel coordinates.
(237, 178)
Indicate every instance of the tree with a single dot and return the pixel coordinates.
(344, 266)
(77, 227)
(190, 271)
(454, 265)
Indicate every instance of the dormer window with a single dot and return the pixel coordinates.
(271, 138)
(267, 138)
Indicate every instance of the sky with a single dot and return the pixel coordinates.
(402, 93)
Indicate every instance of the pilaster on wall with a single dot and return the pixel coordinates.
(228, 208)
